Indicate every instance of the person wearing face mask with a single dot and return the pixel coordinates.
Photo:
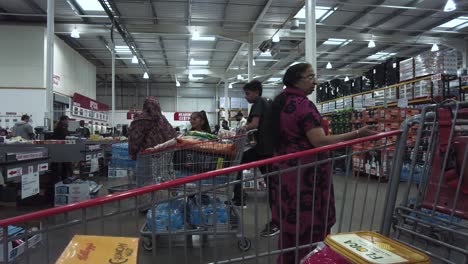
(297, 126)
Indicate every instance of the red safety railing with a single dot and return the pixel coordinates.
(186, 180)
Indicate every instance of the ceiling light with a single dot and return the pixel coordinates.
(394, 65)
(337, 42)
(284, 87)
(265, 54)
(435, 47)
(450, 6)
(177, 84)
(122, 49)
(230, 86)
(134, 59)
(346, 79)
(329, 66)
(196, 36)
(275, 38)
(371, 44)
(201, 62)
(75, 33)
(90, 5)
(239, 77)
(145, 75)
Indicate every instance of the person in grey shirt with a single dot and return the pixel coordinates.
(23, 128)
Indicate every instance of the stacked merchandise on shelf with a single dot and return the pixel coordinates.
(340, 121)
(379, 73)
(120, 163)
(407, 69)
(441, 62)
(368, 81)
(375, 163)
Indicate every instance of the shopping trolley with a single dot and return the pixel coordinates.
(196, 202)
(359, 203)
(433, 209)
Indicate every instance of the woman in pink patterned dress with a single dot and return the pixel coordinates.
(297, 127)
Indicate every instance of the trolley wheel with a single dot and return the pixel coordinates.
(244, 244)
(147, 244)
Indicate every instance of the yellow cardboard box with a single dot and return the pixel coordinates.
(100, 249)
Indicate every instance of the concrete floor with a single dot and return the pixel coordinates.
(359, 204)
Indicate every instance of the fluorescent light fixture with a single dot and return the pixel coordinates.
(275, 79)
(335, 41)
(177, 83)
(90, 5)
(346, 79)
(394, 65)
(371, 44)
(253, 62)
(450, 6)
(75, 33)
(194, 78)
(145, 75)
(239, 77)
(196, 36)
(435, 47)
(200, 62)
(134, 59)
(265, 54)
(381, 56)
(275, 38)
(230, 86)
(454, 24)
(321, 13)
(122, 49)
(284, 87)
(329, 66)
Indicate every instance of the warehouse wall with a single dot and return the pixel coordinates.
(77, 75)
(23, 57)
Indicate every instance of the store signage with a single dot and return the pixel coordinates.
(131, 114)
(88, 103)
(436, 77)
(29, 156)
(14, 172)
(43, 167)
(11, 113)
(56, 79)
(182, 116)
(29, 184)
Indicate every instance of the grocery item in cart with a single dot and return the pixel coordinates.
(213, 147)
(364, 247)
(323, 254)
(169, 216)
(205, 210)
(100, 249)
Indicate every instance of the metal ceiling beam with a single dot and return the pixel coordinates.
(78, 10)
(360, 15)
(106, 44)
(35, 7)
(391, 16)
(75, 44)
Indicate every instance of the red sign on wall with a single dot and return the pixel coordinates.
(131, 114)
(182, 116)
(88, 103)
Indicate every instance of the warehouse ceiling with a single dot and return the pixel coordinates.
(205, 42)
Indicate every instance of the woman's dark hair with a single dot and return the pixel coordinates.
(206, 124)
(294, 74)
(254, 86)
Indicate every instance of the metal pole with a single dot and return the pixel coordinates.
(250, 64)
(147, 88)
(50, 62)
(227, 103)
(113, 85)
(176, 99)
(311, 39)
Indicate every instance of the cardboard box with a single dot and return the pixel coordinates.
(100, 249)
(71, 193)
(18, 250)
(117, 172)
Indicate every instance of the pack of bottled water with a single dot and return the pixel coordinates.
(169, 216)
(205, 210)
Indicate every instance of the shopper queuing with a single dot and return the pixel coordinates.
(199, 122)
(23, 128)
(241, 121)
(83, 130)
(297, 126)
(149, 128)
(61, 128)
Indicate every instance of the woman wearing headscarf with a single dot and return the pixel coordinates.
(149, 128)
(297, 126)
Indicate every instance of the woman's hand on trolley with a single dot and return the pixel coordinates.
(366, 131)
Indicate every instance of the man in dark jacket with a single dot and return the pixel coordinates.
(82, 130)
